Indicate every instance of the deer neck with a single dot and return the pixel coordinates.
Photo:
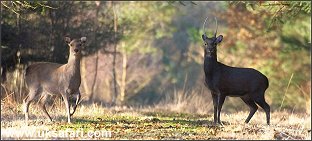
(73, 65)
(210, 65)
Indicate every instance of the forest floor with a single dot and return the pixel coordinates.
(97, 122)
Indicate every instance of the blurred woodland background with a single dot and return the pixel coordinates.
(150, 53)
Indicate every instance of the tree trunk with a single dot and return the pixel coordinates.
(84, 77)
(114, 54)
(97, 54)
(95, 75)
(123, 77)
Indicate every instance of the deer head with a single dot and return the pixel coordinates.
(210, 44)
(75, 45)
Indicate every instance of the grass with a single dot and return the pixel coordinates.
(153, 123)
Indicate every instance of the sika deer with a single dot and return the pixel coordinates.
(222, 80)
(46, 78)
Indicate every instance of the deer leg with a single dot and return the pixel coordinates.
(65, 97)
(42, 106)
(252, 106)
(221, 99)
(78, 96)
(29, 98)
(265, 106)
(215, 102)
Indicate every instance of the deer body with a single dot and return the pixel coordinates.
(222, 80)
(220, 74)
(57, 79)
(46, 78)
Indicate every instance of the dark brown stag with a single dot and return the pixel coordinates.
(222, 80)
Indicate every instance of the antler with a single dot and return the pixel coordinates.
(204, 26)
(216, 27)
(215, 34)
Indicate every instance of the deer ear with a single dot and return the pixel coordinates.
(67, 40)
(83, 39)
(219, 38)
(204, 37)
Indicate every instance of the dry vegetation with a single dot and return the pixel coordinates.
(154, 123)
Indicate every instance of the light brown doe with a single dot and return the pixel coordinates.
(46, 78)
